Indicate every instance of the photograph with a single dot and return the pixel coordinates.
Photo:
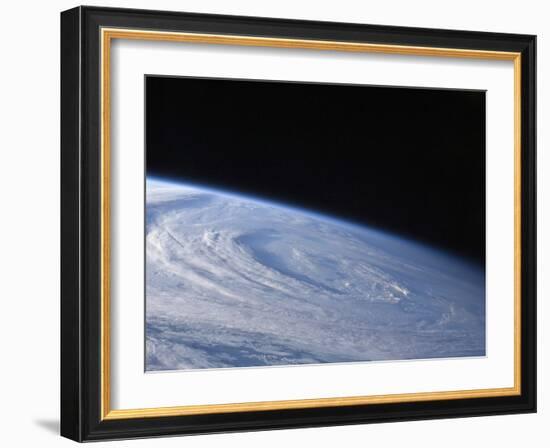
(271, 223)
(292, 223)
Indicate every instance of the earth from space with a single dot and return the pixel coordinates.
(235, 281)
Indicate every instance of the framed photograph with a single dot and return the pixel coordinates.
(272, 223)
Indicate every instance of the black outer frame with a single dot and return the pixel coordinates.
(80, 224)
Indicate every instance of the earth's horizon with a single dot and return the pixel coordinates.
(235, 281)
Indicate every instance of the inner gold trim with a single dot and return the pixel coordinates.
(107, 34)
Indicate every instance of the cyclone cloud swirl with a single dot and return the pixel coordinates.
(233, 281)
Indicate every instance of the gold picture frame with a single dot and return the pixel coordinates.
(108, 30)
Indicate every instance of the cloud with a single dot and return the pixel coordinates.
(235, 282)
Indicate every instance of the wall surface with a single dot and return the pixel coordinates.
(29, 236)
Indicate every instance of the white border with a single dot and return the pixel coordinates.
(132, 388)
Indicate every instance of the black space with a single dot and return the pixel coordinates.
(406, 160)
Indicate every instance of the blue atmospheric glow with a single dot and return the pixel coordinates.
(355, 226)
